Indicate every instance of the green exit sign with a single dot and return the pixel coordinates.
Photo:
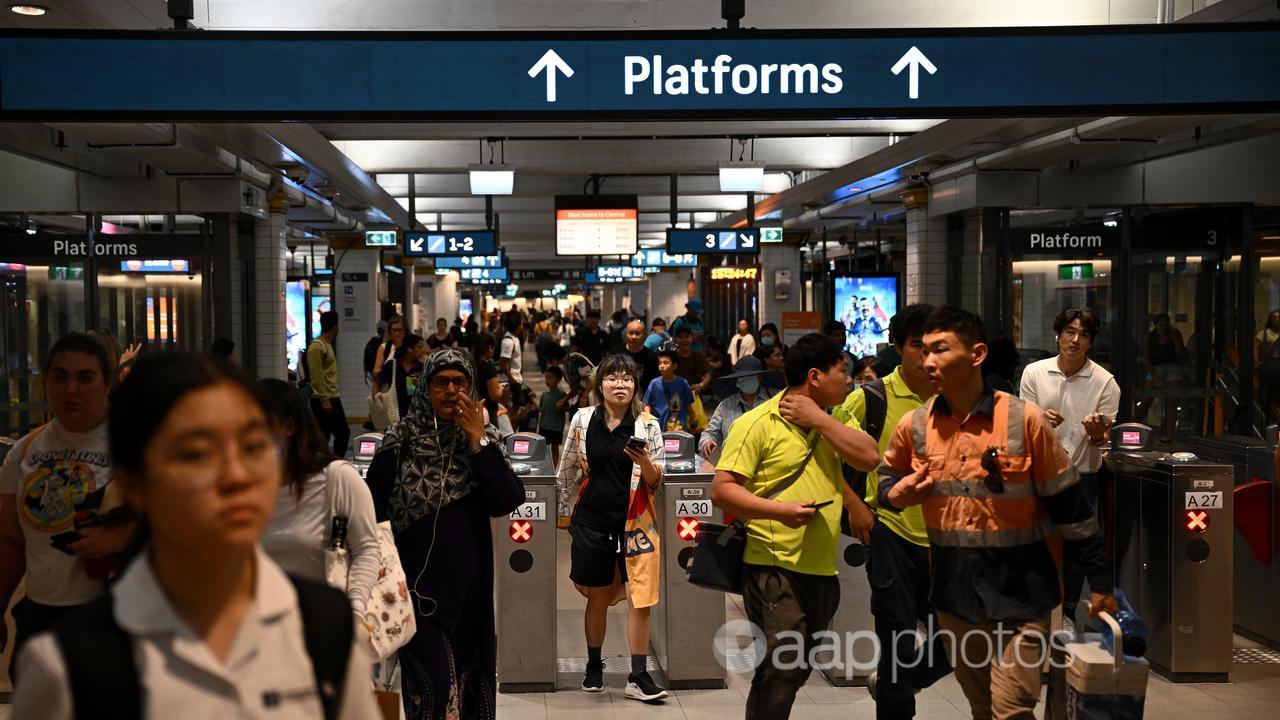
(380, 238)
(1075, 272)
(770, 234)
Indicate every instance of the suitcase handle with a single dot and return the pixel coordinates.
(1117, 638)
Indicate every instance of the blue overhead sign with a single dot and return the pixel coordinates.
(712, 241)
(474, 274)
(466, 261)
(832, 73)
(659, 258)
(457, 243)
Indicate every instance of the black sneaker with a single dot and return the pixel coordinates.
(594, 680)
(641, 687)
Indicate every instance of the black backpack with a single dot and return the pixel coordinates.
(104, 679)
(371, 354)
(877, 407)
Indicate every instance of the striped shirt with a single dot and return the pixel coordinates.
(989, 557)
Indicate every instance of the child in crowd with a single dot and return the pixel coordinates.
(551, 413)
(669, 396)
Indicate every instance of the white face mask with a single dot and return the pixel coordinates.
(749, 386)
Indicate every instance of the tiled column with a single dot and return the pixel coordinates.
(269, 278)
(926, 258)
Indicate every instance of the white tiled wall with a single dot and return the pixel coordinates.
(357, 323)
(668, 292)
(926, 258)
(772, 259)
(268, 281)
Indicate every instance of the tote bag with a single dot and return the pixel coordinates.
(388, 615)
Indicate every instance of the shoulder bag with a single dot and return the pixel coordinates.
(388, 615)
(717, 557)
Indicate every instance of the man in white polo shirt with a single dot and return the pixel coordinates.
(1080, 400)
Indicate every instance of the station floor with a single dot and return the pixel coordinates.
(1252, 694)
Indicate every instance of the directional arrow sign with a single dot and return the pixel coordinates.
(915, 60)
(551, 62)
(712, 241)
(55, 75)
(455, 244)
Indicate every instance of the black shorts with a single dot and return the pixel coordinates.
(596, 556)
(554, 437)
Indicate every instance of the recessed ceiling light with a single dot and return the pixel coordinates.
(30, 10)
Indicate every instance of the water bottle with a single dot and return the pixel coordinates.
(1132, 628)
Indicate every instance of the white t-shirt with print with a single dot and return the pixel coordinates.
(57, 471)
(511, 350)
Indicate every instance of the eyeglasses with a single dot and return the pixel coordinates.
(441, 382)
(202, 464)
(991, 463)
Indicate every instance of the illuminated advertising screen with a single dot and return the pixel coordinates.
(295, 321)
(863, 303)
(464, 309)
(596, 225)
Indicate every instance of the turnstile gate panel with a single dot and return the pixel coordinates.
(364, 448)
(1256, 571)
(855, 656)
(1172, 543)
(525, 574)
(687, 619)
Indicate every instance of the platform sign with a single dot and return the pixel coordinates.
(473, 274)
(619, 272)
(930, 73)
(455, 243)
(660, 258)
(713, 241)
(468, 261)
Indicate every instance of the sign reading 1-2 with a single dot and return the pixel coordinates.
(709, 241)
(446, 244)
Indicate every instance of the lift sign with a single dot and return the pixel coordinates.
(1204, 500)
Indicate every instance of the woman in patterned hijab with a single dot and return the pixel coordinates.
(439, 477)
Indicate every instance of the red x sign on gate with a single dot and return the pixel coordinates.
(521, 531)
(688, 529)
(1197, 520)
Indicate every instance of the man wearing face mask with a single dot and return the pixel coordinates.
(747, 374)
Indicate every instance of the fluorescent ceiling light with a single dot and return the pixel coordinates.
(29, 10)
(741, 177)
(492, 179)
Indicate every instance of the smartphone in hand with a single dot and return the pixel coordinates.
(819, 505)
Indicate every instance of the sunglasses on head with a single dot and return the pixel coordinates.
(991, 463)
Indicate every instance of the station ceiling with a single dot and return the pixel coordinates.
(838, 175)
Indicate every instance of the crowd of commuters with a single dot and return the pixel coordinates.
(214, 501)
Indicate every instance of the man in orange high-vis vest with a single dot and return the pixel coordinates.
(994, 481)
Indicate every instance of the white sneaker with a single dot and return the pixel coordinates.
(642, 687)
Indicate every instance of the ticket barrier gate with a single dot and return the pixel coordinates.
(1257, 543)
(855, 656)
(1171, 541)
(687, 619)
(525, 573)
(365, 447)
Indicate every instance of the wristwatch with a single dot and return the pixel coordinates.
(484, 443)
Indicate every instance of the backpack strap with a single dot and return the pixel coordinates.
(103, 678)
(876, 405)
(327, 629)
(98, 655)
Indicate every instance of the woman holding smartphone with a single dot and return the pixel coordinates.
(613, 454)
